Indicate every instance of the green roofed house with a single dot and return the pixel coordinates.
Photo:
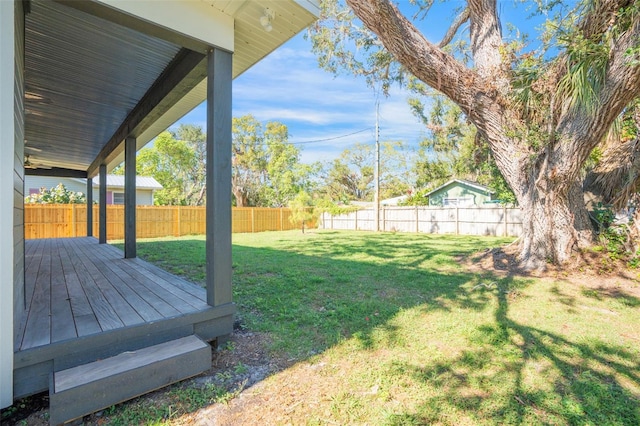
(83, 86)
(459, 192)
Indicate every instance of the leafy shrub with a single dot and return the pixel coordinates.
(56, 195)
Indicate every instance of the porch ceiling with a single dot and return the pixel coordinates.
(87, 73)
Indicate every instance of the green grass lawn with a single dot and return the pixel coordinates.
(401, 333)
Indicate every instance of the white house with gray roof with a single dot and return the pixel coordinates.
(146, 186)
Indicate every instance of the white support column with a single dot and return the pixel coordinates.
(218, 244)
(7, 155)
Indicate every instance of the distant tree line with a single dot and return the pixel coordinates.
(267, 170)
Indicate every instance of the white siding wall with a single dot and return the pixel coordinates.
(144, 197)
(37, 182)
(11, 181)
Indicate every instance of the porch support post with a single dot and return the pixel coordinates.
(130, 198)
(102, 207)
(218, 210)
(89, 207)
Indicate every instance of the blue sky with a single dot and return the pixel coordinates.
(287, 86)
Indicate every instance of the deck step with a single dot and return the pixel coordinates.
(87, 388)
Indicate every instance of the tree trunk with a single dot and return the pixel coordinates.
(555, 224)
(240, 196)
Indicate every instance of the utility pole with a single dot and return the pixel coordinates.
(376, 169)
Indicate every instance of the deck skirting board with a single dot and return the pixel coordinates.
(29, 366)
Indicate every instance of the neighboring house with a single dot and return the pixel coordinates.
(394, 201)
(83, 86)
(459, 192)
(145, 187)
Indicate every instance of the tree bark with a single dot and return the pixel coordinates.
(555, 224)
(240, 196)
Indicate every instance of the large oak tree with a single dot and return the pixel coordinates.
(541, 117)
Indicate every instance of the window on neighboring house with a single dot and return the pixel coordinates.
(466, 201)
(118, 198)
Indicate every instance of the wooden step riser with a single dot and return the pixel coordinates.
(109, 389)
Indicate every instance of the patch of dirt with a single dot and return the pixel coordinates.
(595, 270)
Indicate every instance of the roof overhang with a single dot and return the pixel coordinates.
(97, 72)
(474, 185)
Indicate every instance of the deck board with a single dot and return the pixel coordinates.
(147, 303)
(180, 300)
(61, 314)
(38, 327)
(106, 315)
(81, 288)
(32, 265)
(122, 308)
(85, 320)
(195, 290)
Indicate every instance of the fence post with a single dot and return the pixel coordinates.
(331, 220)
(281, 219)
(253, 221)
(504, 211)
(179, 221)
(73, 220)
(417, 220)
(457, 221)
(384, 219)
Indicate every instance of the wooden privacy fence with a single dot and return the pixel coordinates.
(485, 220)
(70, 220)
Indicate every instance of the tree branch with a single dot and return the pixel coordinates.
(600, 17)
(423, 59)
(486, 41)
(621, 86)
(455, 26)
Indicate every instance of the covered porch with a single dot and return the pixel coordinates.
(86, 302)
(84, 85)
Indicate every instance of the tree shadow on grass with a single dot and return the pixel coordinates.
(316, 301)
(589, 380)
(310, 303)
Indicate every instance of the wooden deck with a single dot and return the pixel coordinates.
(85, 302)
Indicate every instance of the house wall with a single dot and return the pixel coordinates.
(144, 197)
(37, 182)
(11, 187)
(457, 190)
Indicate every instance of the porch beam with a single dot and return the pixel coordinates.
(102, 207)
(130, 198)
(89, 198)
(56, 172)
(120, 17)
(218, 210)
(185, 71)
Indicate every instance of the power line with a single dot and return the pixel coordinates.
(331, 139)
